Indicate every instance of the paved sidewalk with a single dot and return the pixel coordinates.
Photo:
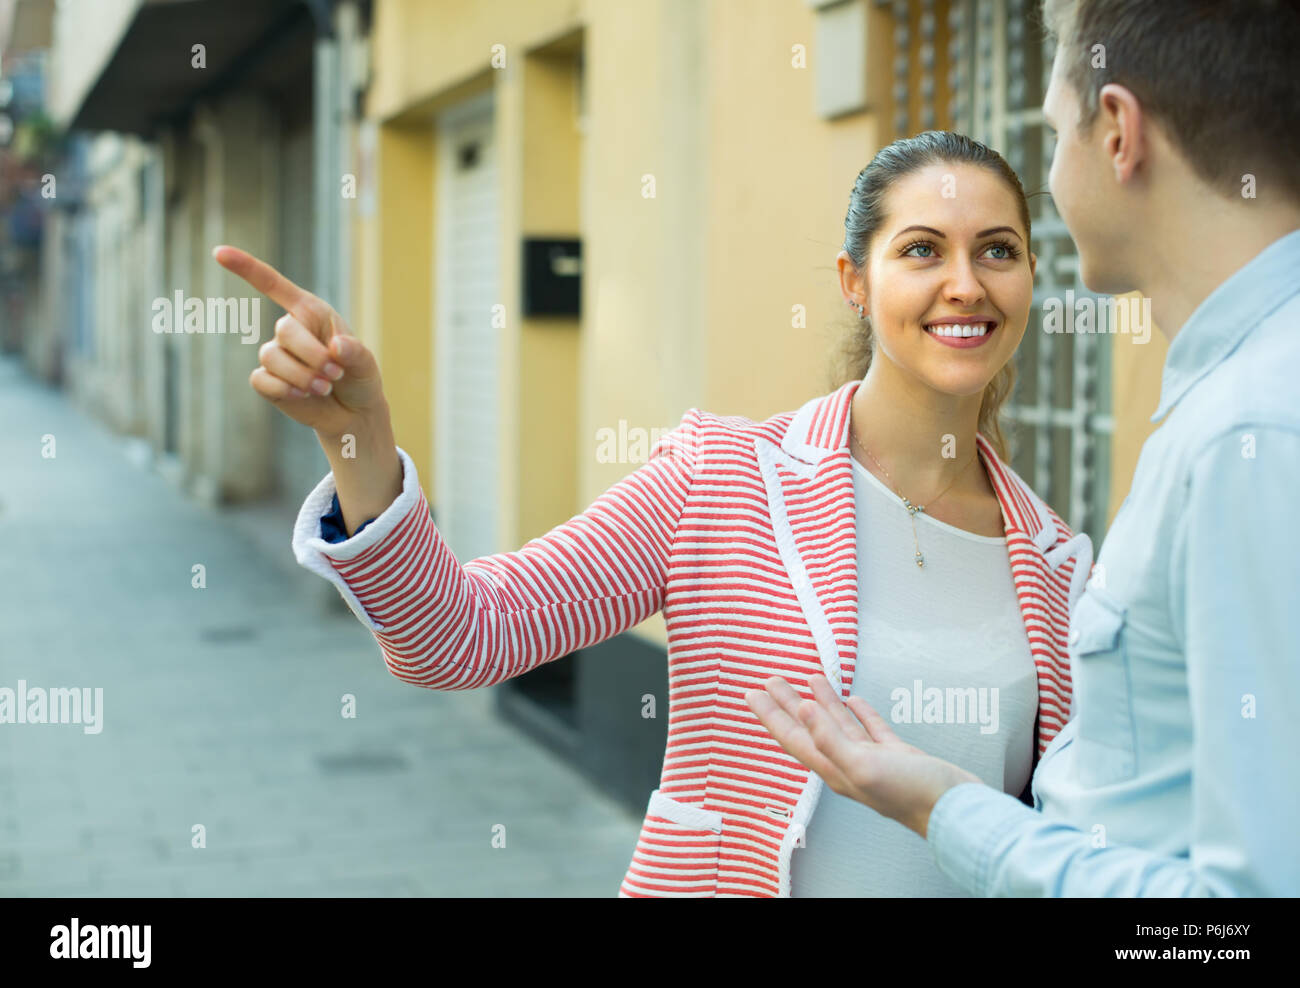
(222, 709)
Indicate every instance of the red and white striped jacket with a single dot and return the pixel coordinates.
(743, 533)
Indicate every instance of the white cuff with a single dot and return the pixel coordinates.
(314, 553)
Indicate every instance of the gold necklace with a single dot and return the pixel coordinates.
(913, 509)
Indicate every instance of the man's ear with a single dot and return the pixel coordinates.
(1124, 140)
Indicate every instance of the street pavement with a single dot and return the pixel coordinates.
(222, 710)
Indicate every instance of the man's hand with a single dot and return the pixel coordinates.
(855, 751)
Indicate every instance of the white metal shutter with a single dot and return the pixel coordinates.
(466, 345)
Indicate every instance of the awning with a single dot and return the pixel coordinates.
(149, 78)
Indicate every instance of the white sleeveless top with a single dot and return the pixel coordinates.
(943, 656)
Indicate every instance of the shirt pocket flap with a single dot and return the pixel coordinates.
(1096, 623)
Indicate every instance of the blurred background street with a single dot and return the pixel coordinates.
(222, 707)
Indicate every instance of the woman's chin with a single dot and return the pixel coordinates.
(960, 382)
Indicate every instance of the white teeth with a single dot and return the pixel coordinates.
(977, 329)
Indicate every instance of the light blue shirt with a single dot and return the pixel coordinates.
(1179, 770)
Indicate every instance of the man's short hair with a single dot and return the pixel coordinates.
(1218, 76)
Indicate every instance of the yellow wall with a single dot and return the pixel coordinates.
(548, 448)
(1135, 392)
(779, 179)
(398, 261)
(421, 48)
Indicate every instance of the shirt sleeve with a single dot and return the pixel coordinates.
(446, 625)
(1236, 597)
(332, 527)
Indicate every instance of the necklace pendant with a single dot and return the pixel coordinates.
(920, 560)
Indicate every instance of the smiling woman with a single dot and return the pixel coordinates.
(936, 262)
(941, 222)
(768, 546)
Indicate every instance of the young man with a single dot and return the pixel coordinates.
(1176, 171)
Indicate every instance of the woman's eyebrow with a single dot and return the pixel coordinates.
(924, 229)
(941, 235)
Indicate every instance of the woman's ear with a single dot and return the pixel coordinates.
(1033, 263)
(853, 286)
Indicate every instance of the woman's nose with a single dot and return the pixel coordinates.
(963, 285)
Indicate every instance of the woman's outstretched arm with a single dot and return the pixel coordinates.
(441, 624)
(444, 625)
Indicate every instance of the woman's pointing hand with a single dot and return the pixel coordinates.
(312, 352)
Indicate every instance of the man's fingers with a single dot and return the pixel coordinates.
(827, 737)
(834, 706)
(310, 310)
(877, 727)
(783, 724)
(783, 693)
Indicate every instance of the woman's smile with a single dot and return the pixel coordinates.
(962, 332)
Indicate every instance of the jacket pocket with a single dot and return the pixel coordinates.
(677, 851)
(1105, 732)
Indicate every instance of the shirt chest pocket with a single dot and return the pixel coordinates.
(1106, 735)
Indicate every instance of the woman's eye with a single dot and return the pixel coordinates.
(1004, 255)
(908, 251)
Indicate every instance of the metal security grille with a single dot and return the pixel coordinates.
(981, 67)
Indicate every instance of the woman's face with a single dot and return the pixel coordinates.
(950, 253)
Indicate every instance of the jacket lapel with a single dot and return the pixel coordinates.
(810, 497)
(1049, 567)
(809, 484)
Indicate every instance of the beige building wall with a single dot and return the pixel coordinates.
(1135, 389)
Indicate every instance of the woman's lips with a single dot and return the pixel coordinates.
(937, 333)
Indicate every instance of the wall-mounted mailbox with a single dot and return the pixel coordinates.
(552, 276)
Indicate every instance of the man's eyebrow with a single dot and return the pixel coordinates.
(937, 233)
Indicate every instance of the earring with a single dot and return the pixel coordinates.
(858, 306)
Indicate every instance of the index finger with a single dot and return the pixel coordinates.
(306, 307)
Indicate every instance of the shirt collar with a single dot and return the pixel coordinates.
(1226, 315)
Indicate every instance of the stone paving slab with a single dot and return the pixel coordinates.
(221, 707)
